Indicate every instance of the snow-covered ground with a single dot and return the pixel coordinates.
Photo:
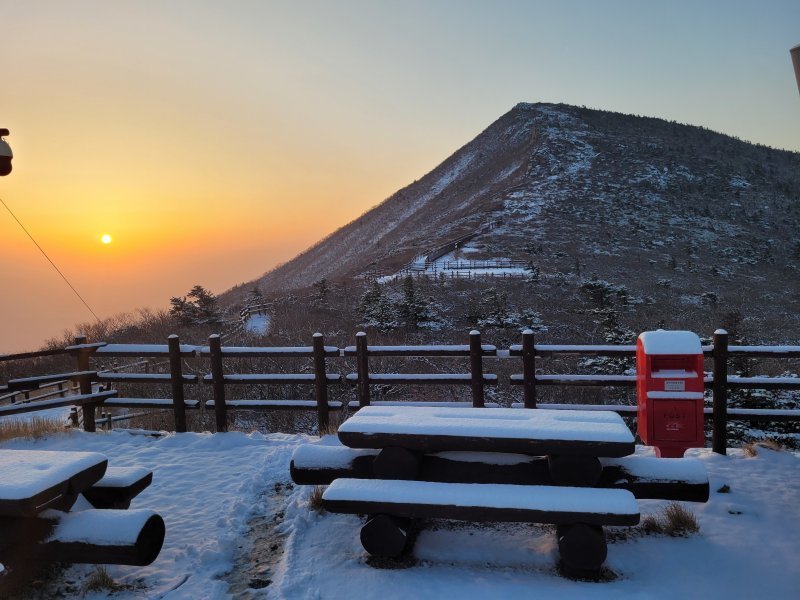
(257, 323)
(457, 265)
(208, 486)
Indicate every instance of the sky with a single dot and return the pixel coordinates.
(214, 140)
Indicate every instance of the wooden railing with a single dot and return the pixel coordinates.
(318, 376)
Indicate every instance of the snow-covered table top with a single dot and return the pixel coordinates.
(537, 432)
(32, 480)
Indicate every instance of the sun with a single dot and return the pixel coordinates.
(105, 238)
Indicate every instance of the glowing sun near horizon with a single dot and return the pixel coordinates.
(105, 238)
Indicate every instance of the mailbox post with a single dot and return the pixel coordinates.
(669, 391)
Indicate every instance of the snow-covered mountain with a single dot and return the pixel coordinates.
(635, 200)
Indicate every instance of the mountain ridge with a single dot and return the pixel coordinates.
(610, 193)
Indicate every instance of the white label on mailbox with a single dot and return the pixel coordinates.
(675, 385)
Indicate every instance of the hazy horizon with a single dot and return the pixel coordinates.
(213, 142)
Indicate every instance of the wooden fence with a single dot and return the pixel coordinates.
(317, 375)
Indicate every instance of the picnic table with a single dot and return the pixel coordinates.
(562, 467)
(42, 518)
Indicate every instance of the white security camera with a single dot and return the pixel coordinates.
(5, 154)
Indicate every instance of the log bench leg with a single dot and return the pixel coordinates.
(385, 536)
(582, 548)
(575, 471)
(396, 463)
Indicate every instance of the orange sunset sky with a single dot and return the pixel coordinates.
(214, 140)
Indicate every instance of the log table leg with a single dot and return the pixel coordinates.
(583, 549)
(396, 463)
(385, 536)
(576, 471)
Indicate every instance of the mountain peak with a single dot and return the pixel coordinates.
(593, 187)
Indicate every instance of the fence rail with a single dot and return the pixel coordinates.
(319, 377)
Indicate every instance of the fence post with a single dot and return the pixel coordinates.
(218, 381)
(476, 367)
(719, 436)
(320, 382)
(362, 365)
(73, 417)
(176, 378)
(528, 369)
(85, 385)
(61, 389)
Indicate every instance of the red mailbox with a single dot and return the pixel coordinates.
(669, 390)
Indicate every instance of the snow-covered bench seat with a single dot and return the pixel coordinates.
(123, 537)
(579, 512)
(482, 502)
(93, 536)
(535, 432)
(118, 487)
(645, 476)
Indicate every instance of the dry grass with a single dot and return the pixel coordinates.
(651, 525)
(35, 428)
(335, 418)
(315, 499)
(679, 521)
(751, 449)
(100, 581)
(673, 520)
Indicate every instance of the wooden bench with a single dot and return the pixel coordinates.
(94, 536)
(647, 477)
(581, 512)
(37, 489)
(118, 487)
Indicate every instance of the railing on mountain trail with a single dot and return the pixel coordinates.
(237, 329)
(316, 375)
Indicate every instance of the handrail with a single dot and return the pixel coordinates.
(718, 381)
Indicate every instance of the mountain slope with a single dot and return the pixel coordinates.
(580, 189)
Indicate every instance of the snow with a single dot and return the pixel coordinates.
(206, 486)
(627, 408)
(522, 497)
(670, 342)
(142, 349)
(506, 423)
(577, 348)
(322, 456)
(764, 349)
(257, 324)
(569, 377)
(107, 527)
(119, 477)
(764, 380)
(729, 558)
(59, 414)
(441, 404)
(676, 395)
(689, 470)
(26, 473)
(428, 349)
